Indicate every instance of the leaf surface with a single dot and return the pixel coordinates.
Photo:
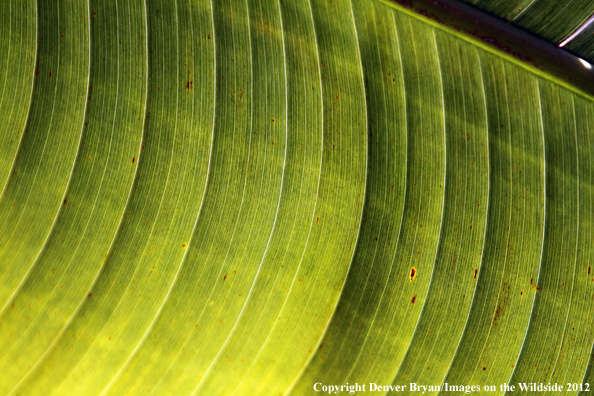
(252, 197)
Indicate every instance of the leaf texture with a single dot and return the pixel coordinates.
(250, 197)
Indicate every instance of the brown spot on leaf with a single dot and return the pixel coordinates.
(497, 312)
(225, 277)
(133, 159)
(413, 299)
(413, 273)
(475, 273)
(318, 220)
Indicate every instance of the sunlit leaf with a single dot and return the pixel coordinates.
(252, 197)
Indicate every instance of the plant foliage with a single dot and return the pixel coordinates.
(249, 197)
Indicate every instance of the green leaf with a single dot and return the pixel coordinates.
(549, 19)
(252, 197)
(563, 23)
